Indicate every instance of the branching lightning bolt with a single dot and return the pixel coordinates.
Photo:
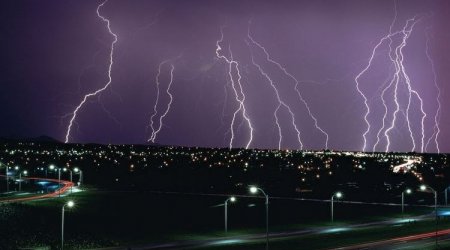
(239, 94)
(281, 103)
(369, 64)
(86, 97)
(156, 131)
(436, 129)
(406, 32)
(297, 83)
(400, 75)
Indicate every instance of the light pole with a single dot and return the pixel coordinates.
(423, 188)
(255, 190)
(16, 168)
(20, 179)
(446, 194)
(68, 204)
(232, 199)
(52, 167)
(59, 182)
(7, 178)
(77, 170)
(71, 191)
(337, 195)
(408, 191)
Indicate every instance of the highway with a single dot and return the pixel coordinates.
(65, 186)
(230, 241)
(417, 241)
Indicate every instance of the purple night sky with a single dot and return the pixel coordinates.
(55, 52)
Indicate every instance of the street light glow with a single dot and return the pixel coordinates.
(25, 172)
(408, 191)
(70, 204)
(76, 170)
(423, 187)
(52, 167)
(233, 199)
(253, 190)
(338, 194)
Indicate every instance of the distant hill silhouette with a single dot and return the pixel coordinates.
(39, 139)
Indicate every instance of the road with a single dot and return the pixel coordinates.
(417, 241)
(65, 186)
(224, 241)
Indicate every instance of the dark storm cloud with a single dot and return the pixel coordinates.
(54, 52)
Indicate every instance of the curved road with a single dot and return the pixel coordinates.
(66, 185)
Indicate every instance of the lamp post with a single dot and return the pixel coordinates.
(59, 182)
(16, 168)
(68, 204)
(71, 191)
(255, 190)
(446, 195)
(423, 188)
(20, 179)
(408, 191)
(337, 195)
(52, 167)
(77, 170)
(7, 178)
(232, 199)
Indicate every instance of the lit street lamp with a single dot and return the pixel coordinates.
(255, 190)
(408, 191)
(423, 188)
(6, 176)
(52, 167)
(68, 204)
(16, 168)
(232, 199)
(20, 179)
(337, 195)
(77, 170)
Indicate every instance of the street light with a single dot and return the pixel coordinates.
(6, 176)
(232, 199)
(76, 170)
(52, 167)
(16, 168)
(69, 204)
(254, 190)
(423, 188)
(337, 195)
(20, 179)
(408, 191)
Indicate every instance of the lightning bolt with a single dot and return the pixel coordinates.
(436, 129)
(297, 83)
(155, 112)
(95, 93)
(396, 57)
(237, 89)
(406, 32)
(369, 64)
(281, 103)
(394, 78)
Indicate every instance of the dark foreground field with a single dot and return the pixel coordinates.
(105, 218)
